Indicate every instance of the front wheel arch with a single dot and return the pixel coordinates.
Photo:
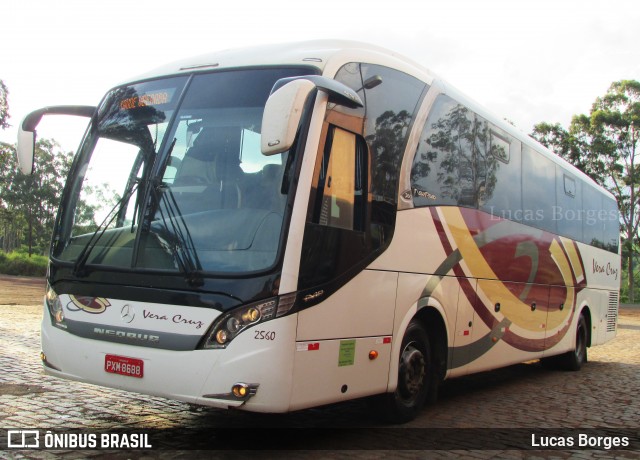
(427, 330)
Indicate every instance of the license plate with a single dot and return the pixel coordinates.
(131, 367)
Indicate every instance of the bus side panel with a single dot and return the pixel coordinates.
(562, 319)
(334, 338)
(361, 308)
(328, 371)
(597, 302)
(603, 272)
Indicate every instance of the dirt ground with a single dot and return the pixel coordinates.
(16, 290)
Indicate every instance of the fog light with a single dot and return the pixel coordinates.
(244, 391)
(240, 390)
(240, 393)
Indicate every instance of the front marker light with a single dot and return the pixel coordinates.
(55, 308)
(232, 323)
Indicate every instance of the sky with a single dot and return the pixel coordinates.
(526, 61)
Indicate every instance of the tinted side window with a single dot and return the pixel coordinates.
(594, 216)
(461, 159)
(538, 190)
(384, 122)
(568, 202)
(503, 194)
(435, 174)
(353, 199)
(611, 224)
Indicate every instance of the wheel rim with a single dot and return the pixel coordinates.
(413, 368)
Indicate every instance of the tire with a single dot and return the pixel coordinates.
(416, 377)
(572, 360)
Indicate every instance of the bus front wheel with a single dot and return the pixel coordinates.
(415, 375)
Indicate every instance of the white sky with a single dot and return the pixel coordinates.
(525, 60)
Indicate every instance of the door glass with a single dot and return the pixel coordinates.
(339, 192)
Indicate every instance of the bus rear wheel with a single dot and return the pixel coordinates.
(415, 375)
(574, 359)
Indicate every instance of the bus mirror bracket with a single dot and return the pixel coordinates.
(285, 105)
(27, 131)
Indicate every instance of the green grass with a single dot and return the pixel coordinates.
(20, 264)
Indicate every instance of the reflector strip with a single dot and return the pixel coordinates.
(307, 346)
(380, 340)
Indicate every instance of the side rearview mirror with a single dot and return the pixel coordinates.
(27, 131)
(25, 150)
(282, 115)
(283, 110)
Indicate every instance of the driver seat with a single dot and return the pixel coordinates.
(216, 151)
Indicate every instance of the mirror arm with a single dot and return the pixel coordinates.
(31, 121)
(27, 131)
(339, 93)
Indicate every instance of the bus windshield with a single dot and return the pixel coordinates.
(171, 177)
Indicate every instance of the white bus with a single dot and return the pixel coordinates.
(283, 227)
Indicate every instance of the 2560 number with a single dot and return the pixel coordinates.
(265, 335)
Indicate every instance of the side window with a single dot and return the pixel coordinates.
(391, 98)
(459, 160)
(539, 190)
(442, 172)
(611, 224)
(593, 221)
(569, 200)
(503, 193)
(353, 200)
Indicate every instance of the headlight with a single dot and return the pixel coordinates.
(232, 323)
(55, 308)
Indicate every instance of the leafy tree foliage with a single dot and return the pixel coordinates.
(4, 106)
(28, 204)
(605, 145)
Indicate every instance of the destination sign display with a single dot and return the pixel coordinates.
(154, 98)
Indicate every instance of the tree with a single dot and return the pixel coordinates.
(4, 106)
(604, 144)
(30, 201)
(575, 149)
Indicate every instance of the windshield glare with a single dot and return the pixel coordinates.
(171, 177)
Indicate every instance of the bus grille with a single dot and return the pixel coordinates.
(612, 312)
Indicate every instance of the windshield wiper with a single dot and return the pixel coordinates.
(182, 245)
(81, 261)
